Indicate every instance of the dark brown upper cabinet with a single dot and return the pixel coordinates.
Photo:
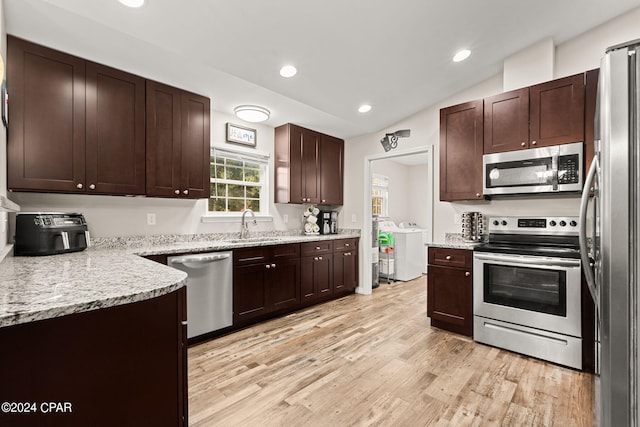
(46, 141)
(461, 152)
(506, 121)
(76, 126)
(178, 142)
(549, 113)
(309, 166)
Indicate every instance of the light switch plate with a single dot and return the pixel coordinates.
(151, 219)
(354, 218)
(285, 218)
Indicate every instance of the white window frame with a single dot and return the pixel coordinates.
(254, 157)
(380, 183)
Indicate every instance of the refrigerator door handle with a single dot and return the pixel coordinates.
(584, 249)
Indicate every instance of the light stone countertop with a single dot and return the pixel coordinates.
(44, 287)
(453, 241)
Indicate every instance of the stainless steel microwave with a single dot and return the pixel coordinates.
(554, 169)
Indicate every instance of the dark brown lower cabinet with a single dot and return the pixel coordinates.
(345, 265)
(316, 277)
(450, 290)
(124, 365)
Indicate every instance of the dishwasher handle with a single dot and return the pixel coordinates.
(200, 259)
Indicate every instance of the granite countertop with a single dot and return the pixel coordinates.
(109, 274)
(453, 241)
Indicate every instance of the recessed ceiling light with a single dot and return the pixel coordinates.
(364, 108)
(132, 3)
(461, 55)
(252, 113)
(288, 71)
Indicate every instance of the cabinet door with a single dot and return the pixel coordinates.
(331, 170)
(345, 271)
(461, 152)
(316, 277)
(506, 121)
(250, 292)
(556, 111)
(163, 140)
(449, 299)
(195, 141)
(115, 139)
(310, 166)
(46, 145)
(284, 284)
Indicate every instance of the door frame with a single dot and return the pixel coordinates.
(365, 285)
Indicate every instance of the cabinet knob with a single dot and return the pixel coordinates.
(268, 265)
(448, 257)
(177, 192)
(346, 245)
(466, 273)
(522, 144)
(317, 248)
(273, 266)
(315, 258)
(304, 199)
(323, 200)
(92, 186)
(533, 142)
(320, 258)
(591, 189)
(478, 194)
(79, 186)
(185, 192)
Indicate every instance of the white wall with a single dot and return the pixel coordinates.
(126, 216)
(577, 55)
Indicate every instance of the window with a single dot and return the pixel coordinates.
(238, 182)
(379, 195)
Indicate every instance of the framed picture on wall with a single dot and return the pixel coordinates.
(241, 135)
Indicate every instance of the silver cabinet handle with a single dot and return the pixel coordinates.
(268, 265)
(478, 194)
(177, 192)
(533, 142)
(320, 258)
(467, 274)
(323, 200)
(92, 186)
(317, 248)
(79, 186)
(522, 144)
(448, 257)
(315, 258)
(185, 192)
(346, 245)
(273, 266)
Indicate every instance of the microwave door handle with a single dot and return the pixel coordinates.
(582, 235)
(554, 171)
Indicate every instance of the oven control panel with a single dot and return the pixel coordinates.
(533, 225)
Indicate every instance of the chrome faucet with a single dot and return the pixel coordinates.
(245, 229)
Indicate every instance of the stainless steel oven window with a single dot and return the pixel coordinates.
(540, 290)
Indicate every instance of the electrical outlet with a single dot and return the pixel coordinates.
(151, 219)
(285, 218)
(354, 218)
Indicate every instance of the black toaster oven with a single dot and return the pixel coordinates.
(49, 233)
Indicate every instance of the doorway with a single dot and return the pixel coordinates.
(422, 156)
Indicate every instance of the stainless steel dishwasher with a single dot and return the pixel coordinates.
(209, 290)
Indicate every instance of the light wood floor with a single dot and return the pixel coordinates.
(374, 360)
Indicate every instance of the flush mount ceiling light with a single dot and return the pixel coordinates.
(288, 71)
(390, 140)
(132, 3)
(364, 108)
(251, 113)
(461, 55)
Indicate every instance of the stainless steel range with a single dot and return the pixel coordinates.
(527, 288)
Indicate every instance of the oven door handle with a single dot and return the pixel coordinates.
(547, 262)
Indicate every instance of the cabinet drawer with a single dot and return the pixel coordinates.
(291, 250)
(253, 255)
(319, 247)
(461, 258)
(345, 245)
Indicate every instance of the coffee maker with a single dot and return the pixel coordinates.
(328, 222)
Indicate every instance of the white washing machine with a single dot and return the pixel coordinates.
(408, 248)
(425, 240)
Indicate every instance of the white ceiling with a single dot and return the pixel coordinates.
(392, 54)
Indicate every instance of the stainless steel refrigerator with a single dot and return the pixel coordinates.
(610, 232)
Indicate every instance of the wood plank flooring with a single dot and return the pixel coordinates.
(374, 360)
